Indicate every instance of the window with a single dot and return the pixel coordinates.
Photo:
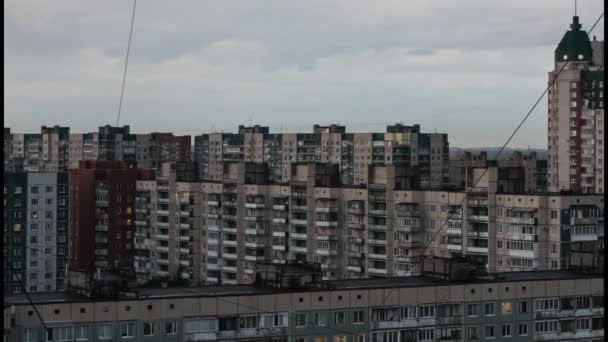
(30, 335)
(547, 304)
(319, 321)
(149, 329)
(127, 330)
(489, 331)
(105, 332)
(506, 330)
(546, 326)
(471, 310)
(359, 338)
(300, 320)
(425, 334)
(489, 309)
(597, 323)
(49, 189)
(408, 312)
(426, 311)
(472, 333)
(248, 322)
(583, 303)
(170, 328)
(359, 317)
(583, 324)
(60, 334)
(340, 338)
(34, 189)
(320, 339)
(200, 325)
(506, 308)
(339, 317)
(522, 329)
(523, 306)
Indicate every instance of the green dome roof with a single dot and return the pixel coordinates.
(575, 46)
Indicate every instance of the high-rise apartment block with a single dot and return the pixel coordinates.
(101, 215)
(210, 232)
(534, 169)
(56, 149)
(36, 216)
(352, 152)
(576, 114)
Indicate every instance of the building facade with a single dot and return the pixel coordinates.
(102, 215)
(210, 232)
(534, 169)
(352, 152)
(528, 306)
(576, 114)
(36, 216)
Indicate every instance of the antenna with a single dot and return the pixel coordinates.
(575, 8)
(249, 120)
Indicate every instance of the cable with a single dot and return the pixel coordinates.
(124, 76)
(509, 140)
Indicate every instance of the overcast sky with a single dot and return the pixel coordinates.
(468, 68)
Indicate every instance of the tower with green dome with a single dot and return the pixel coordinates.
(575, 118)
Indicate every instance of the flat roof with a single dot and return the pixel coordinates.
(333, 285)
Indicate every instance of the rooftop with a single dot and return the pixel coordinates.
(242, 290)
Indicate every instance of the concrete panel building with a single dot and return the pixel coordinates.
(521, 306)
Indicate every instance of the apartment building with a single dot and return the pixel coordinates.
(520, 306)
(44, 152)
(535, 169)
(35, 231)
(576, 114)
(101, 220)
(353, 152)
(55, 149)
(378, 230)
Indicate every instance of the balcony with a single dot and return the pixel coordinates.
(162, 248)
(299, 208)
(356, 211)
(298, 235)
(162, 236)
(253, 231)
(327, 223)
(100, 228)
(163, 200)
(356, 225)
(101, 252)
(454, 231)
(524, 220)
(319, 251)
(162, 224)
(408, 244)
(376, 227)
(376, 271)
(354, 268)
(279, 220)
(478, 218)
(278, 247)
(377, 212)
(230, 204)
(298, 249)
(408, 213)
(229, 243)
(254, 257)
(254, 218)
(101, 204)
(376, 242)
(162, 212)
(377, 256)
(299, 221)
(255, 205)
(477, 250)
(279, 207)
(229, 256)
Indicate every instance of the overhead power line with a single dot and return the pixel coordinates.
(510, 138)
(124, 76)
